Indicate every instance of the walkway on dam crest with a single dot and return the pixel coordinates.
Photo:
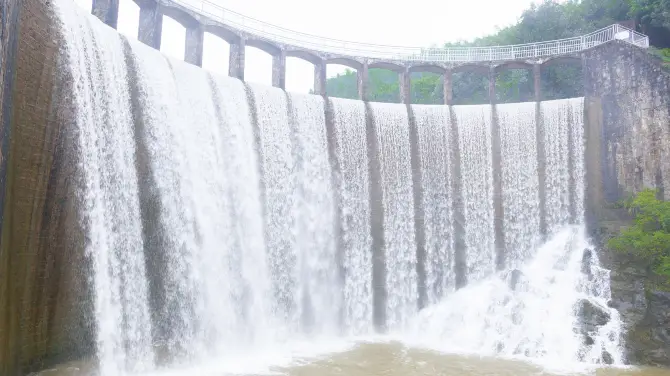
(200, 16)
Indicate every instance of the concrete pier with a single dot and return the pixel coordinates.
(405, 86)
(236, 59)
(447, 78)
(279, 70)
(320, 78)
(362, 78)
(195, 38)
(107, 11)
(151, 24)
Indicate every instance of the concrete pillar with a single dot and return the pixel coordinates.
(320, 78)
(195, 38)
(363, 82)
(279, 70)
(537, 81)
(151, 24)
(107, 11)
(541, 154)
(405, 85)
(448, 87)
(496, 157)
(236, 59)
(492, 85)
(595, 202)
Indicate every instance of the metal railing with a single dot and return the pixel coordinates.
(448, 54)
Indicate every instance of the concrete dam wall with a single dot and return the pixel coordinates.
(417, 187)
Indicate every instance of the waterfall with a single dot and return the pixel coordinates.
(563, 122)
(353, 186)
(225, 220)
(433, 124)
(108, 192)
(474, 124)
(315, 214)
(519, 181)
(392, 129)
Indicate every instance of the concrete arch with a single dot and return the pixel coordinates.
(349, 62)
(514, 65)
(224, 33)
(304, 55)
(430, 67)
(472, 67)
(569, 59)
(184, 18)
(264, 45)
(392, 66)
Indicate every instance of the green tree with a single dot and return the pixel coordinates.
(649, 235)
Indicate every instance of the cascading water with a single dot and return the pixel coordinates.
(353, 186)
(281, 190)
(520, 184)
(559, 118)
(211, 213)
(474, 124)
(108, 192)
(392, 126)
(315, 215)
(433, 124)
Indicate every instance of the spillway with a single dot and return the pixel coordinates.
(226, 219)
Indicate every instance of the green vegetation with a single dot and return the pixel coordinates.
(551, 19)
(649, 236)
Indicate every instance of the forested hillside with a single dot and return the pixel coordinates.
(547, 21)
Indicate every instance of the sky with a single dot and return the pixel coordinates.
(417, 23)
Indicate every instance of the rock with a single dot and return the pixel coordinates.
(515, 277)
(587, 258)
(591, 315)
(588, 340)
(607, 357)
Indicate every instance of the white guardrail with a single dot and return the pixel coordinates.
(448, 54)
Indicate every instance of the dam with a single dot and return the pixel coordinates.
(161, 219)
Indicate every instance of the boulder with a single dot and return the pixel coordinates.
(514, 278)
(591, 315)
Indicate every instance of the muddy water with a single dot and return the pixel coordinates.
(394, 359)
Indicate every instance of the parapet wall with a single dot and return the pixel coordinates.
(42, 281)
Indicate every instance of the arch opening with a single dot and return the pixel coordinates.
(257, 65)
(129, 19)
(383, 85)
(470, 87)
(514, 85)
(426, 88)
(342, 81)
(173, 38)
(561, 78)
(299, 75)
(215, 54)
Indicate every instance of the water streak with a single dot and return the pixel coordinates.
(353, 186)
(474, 132)
(315, 217)
(520, 185)
(392, 125)
(109, 191)
(433, 124)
